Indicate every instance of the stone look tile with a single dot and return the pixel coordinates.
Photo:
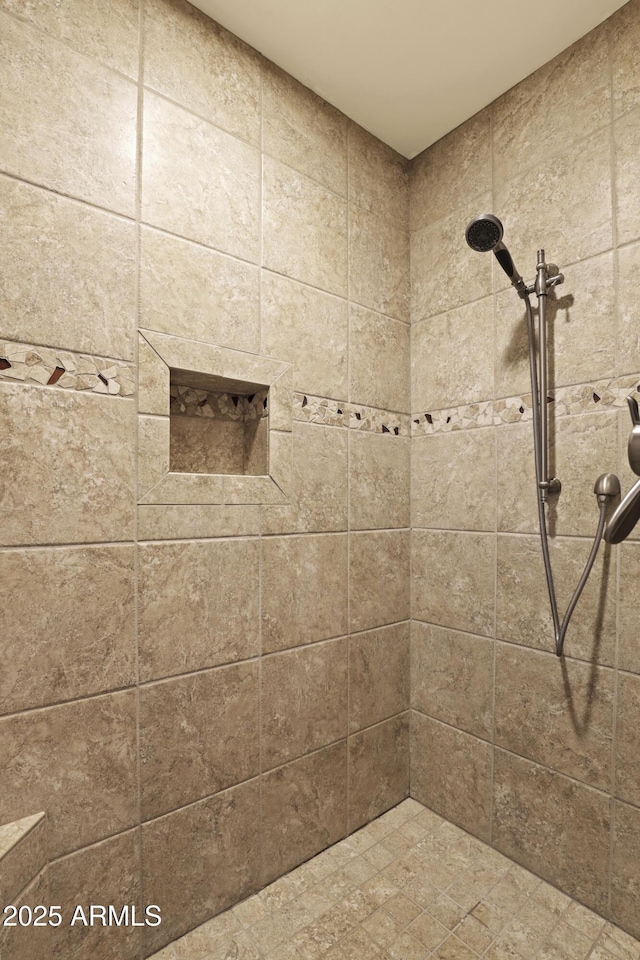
(627, 763)
(189, 291)
(154, 446)
(186, 521)
(210, 70)
(453, 579)
(561, 717)
(218, 625)
(444, 759)
(452, 358)
(106, 873)
(522, 609)
(304, 590)
(378, 578)
(530, 824)
(29, 943)
(304, 229)
(627, 137)
(87, 749)
(511, 344)
(74, 454)
(624, 55)
(198, 735)
(379, 350)
(304, 701)
(378, 769)
(379, 481)
(452, 678)
(198, 181)
(378, 675)
(302, 130)
(453, 480)
(625, 880)
(309, 329)
(153, 381)
(629, 653)
(628, 332)
(215, 838)
(378, 264)
(40, 79)
(303, 809)
(378, 177)
(61, 261)
(66, 647)
(23, 854)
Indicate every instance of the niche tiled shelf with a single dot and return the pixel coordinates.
(214, 424)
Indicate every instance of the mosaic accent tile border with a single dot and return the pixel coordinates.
(608, 394)
(355, 416)
(49, 367)
(191, 402)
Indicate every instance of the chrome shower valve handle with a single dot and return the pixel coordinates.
(634, 439)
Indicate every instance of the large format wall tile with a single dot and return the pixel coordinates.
(66, 466)
(378, 769)
(378, 578)
(378, 264)
(68, 273)
(304, 590)
(378, 481)
(452, 678)
(304, 809)
(627, 762)
(625, 32)
(304, 229)
(213, 849)
(89, 151)
(78, 763)
(191, 59)
(378, 177)
(629, 614)
(451, 774)
(378, 675)
(304, 701)
(29, 943)
(453, 579)
(554, 826)
(198, 735)
(198, 181)
(627, 138)
(219, 621)
(626, 304)
(379, 354)
(625, 878)
(76, 632)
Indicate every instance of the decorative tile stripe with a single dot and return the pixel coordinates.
(49, 367)
(355, 416)
(192, 402)
(608, 394)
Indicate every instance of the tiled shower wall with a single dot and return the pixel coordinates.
(199, 697)
(537, 756)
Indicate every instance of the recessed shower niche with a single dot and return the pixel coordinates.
(214, 424)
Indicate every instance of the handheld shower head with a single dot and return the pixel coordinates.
(484, 233)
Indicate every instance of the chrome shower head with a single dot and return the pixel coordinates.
(484, 233)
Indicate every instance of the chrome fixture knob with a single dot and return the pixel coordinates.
(634, 439)
(607, 485)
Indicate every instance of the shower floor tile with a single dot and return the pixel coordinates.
(408, 886)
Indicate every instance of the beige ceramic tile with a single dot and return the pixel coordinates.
(304, 590)
(444, 759)
(23, 854)
(452, 358)
(199, 445)
(198, 181)
(68, 273)
(378, 578)
(73, 454)
(218, 838)
(190, 291)
(29, 943)
(624, 56)
(191, 59)
(629, 616)
(304, 229)
(378, 769)
(153, 452)
(303, 809)
(522, 608)
(378, 177)
(153, 381)
(625, 880)
(453, 480)
(378, 264)
(379, 481)
(562, 718)
(379, 352)
(198, 735)
(452, 678)
(626, 138)
(530, 824)
(218, 625)
(440, 251)
(511, 344)
(309, 329)
(187, 521)
(378, 675)
(302, 130)
(95, 792)
(304, 701)
(456, 167)
(626, 761)
(628, 327)
(67, 645)
(453, 579)
(40, 79)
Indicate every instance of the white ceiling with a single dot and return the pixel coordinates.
(409, 71)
